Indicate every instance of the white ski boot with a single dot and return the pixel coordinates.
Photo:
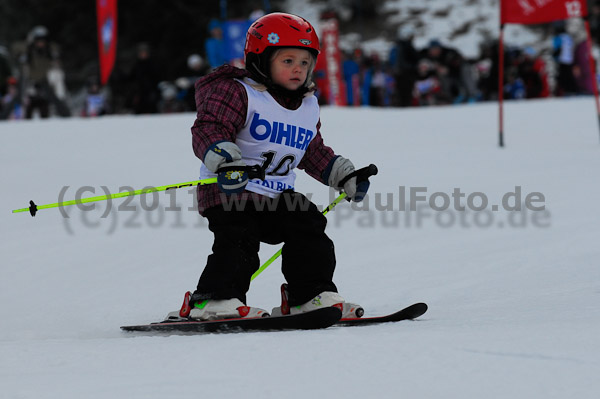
(215, 309)
(325, 298)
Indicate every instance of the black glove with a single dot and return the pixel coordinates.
(225, 158)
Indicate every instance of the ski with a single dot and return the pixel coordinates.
(321, 318)
(408, 313)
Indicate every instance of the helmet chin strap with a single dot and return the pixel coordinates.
(256, 70)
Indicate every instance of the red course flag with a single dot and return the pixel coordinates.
(331, 53)
(540, 11)
(106, 11)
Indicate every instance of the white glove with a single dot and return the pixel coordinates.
(223, 154)
(341, 168)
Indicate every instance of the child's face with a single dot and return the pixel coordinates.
(289, 67)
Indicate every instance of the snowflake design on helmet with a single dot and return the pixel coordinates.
(273, 38)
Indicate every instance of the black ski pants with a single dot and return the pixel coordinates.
(308, 256)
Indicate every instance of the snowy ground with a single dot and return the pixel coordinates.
(514, 297)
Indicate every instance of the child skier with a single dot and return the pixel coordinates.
(266, 115)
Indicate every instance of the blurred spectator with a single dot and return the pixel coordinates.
(169, 102)
(540, 67)
(581, 69)
(427, 89)
(530, 73)
(404, 59)
(56, 80)
(581, 57)
(96, 103)
(483, 70)
(144, 78)
(378, 84)
(6, 70)
(196, 69)
(455, 74)
(514, 88)
(487, 68)
(383, 85)
(563, 50)
(215, 47)
(10, 104)
(44, 76)
(438, 58)
(594, 18)
(367, 80)
(351, 72)
(256, 14)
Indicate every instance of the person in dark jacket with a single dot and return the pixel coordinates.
(42, 62)
(404, 59)
(144, 79)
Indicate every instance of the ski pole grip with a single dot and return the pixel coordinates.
(361, 174)
(254, 171)
(32, 208)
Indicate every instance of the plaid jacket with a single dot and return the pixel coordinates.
(222, 104)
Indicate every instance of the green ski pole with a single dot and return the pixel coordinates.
(33, 208)
(254, 172)
(276, 255)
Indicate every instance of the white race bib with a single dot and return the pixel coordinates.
(275, 138)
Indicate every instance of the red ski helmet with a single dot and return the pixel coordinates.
(275, 30)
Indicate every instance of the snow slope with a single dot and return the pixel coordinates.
(513, 296)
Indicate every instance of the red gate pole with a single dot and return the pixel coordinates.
(592, 68)
(501, 87)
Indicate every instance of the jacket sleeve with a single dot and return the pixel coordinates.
(318, 157)
(221, 115)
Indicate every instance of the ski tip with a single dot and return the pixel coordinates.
(418, 309)
(128, 328)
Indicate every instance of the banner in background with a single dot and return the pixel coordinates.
(234, 39)
(540, 11)
(106, 12)
(330, 52)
